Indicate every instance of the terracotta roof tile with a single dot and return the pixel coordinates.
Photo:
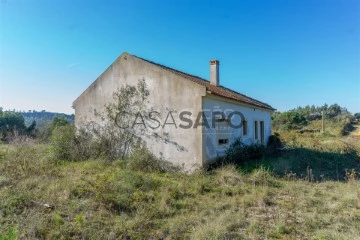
(216, 90)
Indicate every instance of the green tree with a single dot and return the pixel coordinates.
(11, 122)
(59, 121)
(109, 139)
(334, 110)
(30, 130)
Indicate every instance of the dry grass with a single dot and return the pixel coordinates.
(99, 200)
(356, 132)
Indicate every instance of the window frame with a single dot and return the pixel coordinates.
(220, 135)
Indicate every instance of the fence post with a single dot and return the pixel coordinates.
(323, 121)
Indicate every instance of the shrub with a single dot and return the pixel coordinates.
(347, 128)
(102, 144)
(66, 145)
(63, 141)
(143, 160)
(106, 140)
(273, 145)
(239, 153)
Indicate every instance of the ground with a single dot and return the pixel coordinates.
(47, 199)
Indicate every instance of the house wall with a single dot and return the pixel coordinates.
(213, 103)
(168, 92)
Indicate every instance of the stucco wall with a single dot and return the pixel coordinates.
(168, 92)
(213, 103)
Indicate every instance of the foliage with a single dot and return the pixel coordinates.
(302, 116)
(129, 104)
(239, 153)
(274, 145)
(318, 157)
(289, 120)
(109, 140)
(63, 142)
(346, 129)
(143, 160)
(12, 122)
(18, 161)
(45, 132)
(43, 118)
(115, 200)
(71, 146)
(59, 121)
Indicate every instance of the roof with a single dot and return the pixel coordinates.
(216, 90)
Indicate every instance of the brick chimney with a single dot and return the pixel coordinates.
(214, 72)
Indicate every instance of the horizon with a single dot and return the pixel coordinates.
(286, 54)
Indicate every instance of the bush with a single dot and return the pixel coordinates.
(239, 152)
(68, 145)
(62, 142)
(347, 128)
(84, 145)
(143, 160)
(273, 145)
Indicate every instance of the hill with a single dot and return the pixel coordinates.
(44, 117)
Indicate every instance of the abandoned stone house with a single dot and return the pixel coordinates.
(225, 115)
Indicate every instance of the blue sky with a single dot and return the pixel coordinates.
(287, 53)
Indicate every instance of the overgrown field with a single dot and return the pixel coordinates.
(315, 156)
(309, 191)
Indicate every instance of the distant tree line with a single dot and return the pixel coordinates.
(12, 122)
(43, 117)
(302, 116)
(15, 123)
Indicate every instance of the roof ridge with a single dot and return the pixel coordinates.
(217, 90)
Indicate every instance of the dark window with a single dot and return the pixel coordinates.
(244, 127)
(262, 132)
(256, 130)
(223, 141)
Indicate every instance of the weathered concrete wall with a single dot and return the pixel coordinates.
(168, 92)
(213, 103)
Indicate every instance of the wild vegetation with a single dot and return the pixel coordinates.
(44, 197)
(12, 123)
(39, 125)
(43, 118)
(303, 185)
(308, 118)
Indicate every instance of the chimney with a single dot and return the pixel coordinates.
(214, 72)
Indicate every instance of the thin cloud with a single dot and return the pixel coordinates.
(73, 65)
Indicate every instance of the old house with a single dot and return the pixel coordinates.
(199, 118)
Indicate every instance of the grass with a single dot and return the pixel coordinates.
(317, 156)
(46, 199)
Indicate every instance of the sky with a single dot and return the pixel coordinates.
(287, 53)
